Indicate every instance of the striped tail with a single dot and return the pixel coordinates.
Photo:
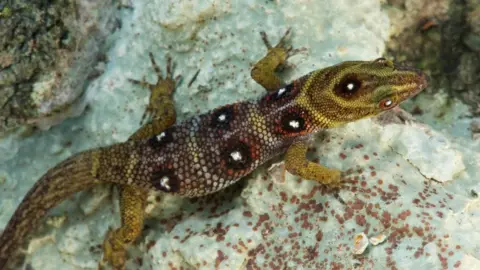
(72, 175)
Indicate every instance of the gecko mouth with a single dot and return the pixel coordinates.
(420, 79)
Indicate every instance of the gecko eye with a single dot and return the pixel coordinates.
(380, 60)
(386, 104)
(384, 62)
(348, 87)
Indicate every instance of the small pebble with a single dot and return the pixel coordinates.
(377, 239)
(360, 243)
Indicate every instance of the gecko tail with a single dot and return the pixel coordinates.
(72, 175)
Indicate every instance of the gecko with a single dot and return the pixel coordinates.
(211, 151)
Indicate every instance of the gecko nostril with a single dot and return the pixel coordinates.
(424, 79)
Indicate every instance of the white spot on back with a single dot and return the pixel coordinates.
(161, 136)
(222, 117)
(236, 155)
(164, 182)
(280, 92)
(294, 124)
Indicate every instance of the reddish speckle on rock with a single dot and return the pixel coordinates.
(319, 236)
(294, 199)
(339, 219)
(457, 264)
(343, 156)
(220, 232)
(418, 231)
(358, 146)
(393, 188)
(403, 215)
(366, 157)
(375, 154)
(139, 261)
(358, 204)
(348, 213)
(150, 244)
(373, 174)
(284, 196)
(261, 219)
(386, 218)
(220, 258)
(444, 261)
(247, 214)
(418, 253)
(360, 220)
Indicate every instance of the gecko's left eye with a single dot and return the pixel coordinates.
(351, 86)
(348, 87)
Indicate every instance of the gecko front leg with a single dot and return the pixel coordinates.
(161, 114)
(297, 163)
(264, 73)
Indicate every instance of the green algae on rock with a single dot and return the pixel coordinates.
(49, 50)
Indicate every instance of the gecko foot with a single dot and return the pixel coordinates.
(114, 252)
(164, 88)
(264, 71)
(283, 49)
(343, 180)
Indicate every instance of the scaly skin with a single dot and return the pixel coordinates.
(209, 152)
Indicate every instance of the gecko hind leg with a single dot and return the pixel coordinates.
(161, 114)
(264, 71)
(132, 207)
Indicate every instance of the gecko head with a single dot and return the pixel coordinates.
(358, 89)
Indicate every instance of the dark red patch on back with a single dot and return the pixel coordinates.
(293, 122)
(237, 156)
(222, 117)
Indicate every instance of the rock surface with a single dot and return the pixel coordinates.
(415, 185)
